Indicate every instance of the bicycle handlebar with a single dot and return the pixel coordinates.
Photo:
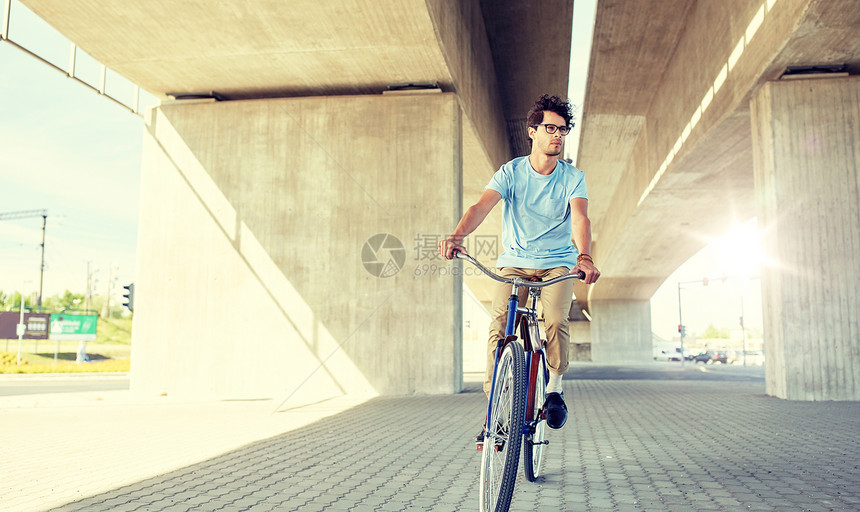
(517, 280)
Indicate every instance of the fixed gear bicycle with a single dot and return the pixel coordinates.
(515, 409)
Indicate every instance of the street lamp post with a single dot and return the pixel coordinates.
(743, 331)
(681, 328)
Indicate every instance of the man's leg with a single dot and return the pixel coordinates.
(500, 317)
(556, 300)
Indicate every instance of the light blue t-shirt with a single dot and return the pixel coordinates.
(536, 226)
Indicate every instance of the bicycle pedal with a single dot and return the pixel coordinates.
(542, 442)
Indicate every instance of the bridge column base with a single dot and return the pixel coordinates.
(806, 146)
(621, 331)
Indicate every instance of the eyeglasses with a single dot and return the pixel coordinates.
(551, 128)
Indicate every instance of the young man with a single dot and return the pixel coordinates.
(545, 233)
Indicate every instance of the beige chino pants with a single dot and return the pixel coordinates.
(555, 301)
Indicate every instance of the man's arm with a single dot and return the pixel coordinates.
(473, 218)
(582, 239)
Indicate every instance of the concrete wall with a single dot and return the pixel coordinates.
(806, 136)
(253, 229)
(621, 331)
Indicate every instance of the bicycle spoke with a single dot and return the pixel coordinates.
(500, 455)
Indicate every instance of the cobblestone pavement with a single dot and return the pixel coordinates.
(629, 445)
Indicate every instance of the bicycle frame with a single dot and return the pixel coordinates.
(513, 306)
(513, 311)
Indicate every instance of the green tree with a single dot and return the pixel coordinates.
(713, 333)
(13, 302)
(53, 304)
(67, 301)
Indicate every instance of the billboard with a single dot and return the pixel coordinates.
(36, 325)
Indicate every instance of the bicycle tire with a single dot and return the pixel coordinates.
(534, 442)
(502, 439)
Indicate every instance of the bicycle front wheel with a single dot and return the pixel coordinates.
(502, 438)
(535, 440)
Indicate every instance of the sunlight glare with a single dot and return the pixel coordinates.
(739, 252)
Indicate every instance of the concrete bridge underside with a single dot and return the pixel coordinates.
(688, 130)
(256, 209)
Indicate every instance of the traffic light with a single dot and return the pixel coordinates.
(128, 296)
(682, 329)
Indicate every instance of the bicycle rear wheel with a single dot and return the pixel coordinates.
(535, 441)
(502, 438)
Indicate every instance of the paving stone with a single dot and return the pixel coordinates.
(636, 445)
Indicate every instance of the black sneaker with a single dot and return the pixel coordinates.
(556, 411)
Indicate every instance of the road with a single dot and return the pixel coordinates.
(665, 371)
(13, 385)
(23, 384)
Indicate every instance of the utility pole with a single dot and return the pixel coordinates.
(111, 279)
(92, 281)
(23, 214)
(681, 328)
(42, 264)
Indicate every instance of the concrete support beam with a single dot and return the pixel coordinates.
(462, 39)
(621, 331)
(253, 237)
(806, 137)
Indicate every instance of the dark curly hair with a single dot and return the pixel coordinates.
(552, 104)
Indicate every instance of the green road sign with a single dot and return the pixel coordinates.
(73, 327)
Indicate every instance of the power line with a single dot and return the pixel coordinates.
(24, 214)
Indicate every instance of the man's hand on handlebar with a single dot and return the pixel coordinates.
(588, 268)
(451, 244)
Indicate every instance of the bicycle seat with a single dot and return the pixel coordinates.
(535, 279)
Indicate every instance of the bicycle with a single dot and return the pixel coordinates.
(515, 410)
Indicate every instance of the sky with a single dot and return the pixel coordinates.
(65, 148)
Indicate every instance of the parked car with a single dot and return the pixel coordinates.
(676, 355)
(720, 356)
(667, 354)
(755, 358)
(702, 357)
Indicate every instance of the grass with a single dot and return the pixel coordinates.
(110, 352)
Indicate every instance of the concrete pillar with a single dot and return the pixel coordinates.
(580, 341)
(620, 331)
(279, 248)
(806, 137)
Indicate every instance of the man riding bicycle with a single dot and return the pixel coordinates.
(545, 234)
